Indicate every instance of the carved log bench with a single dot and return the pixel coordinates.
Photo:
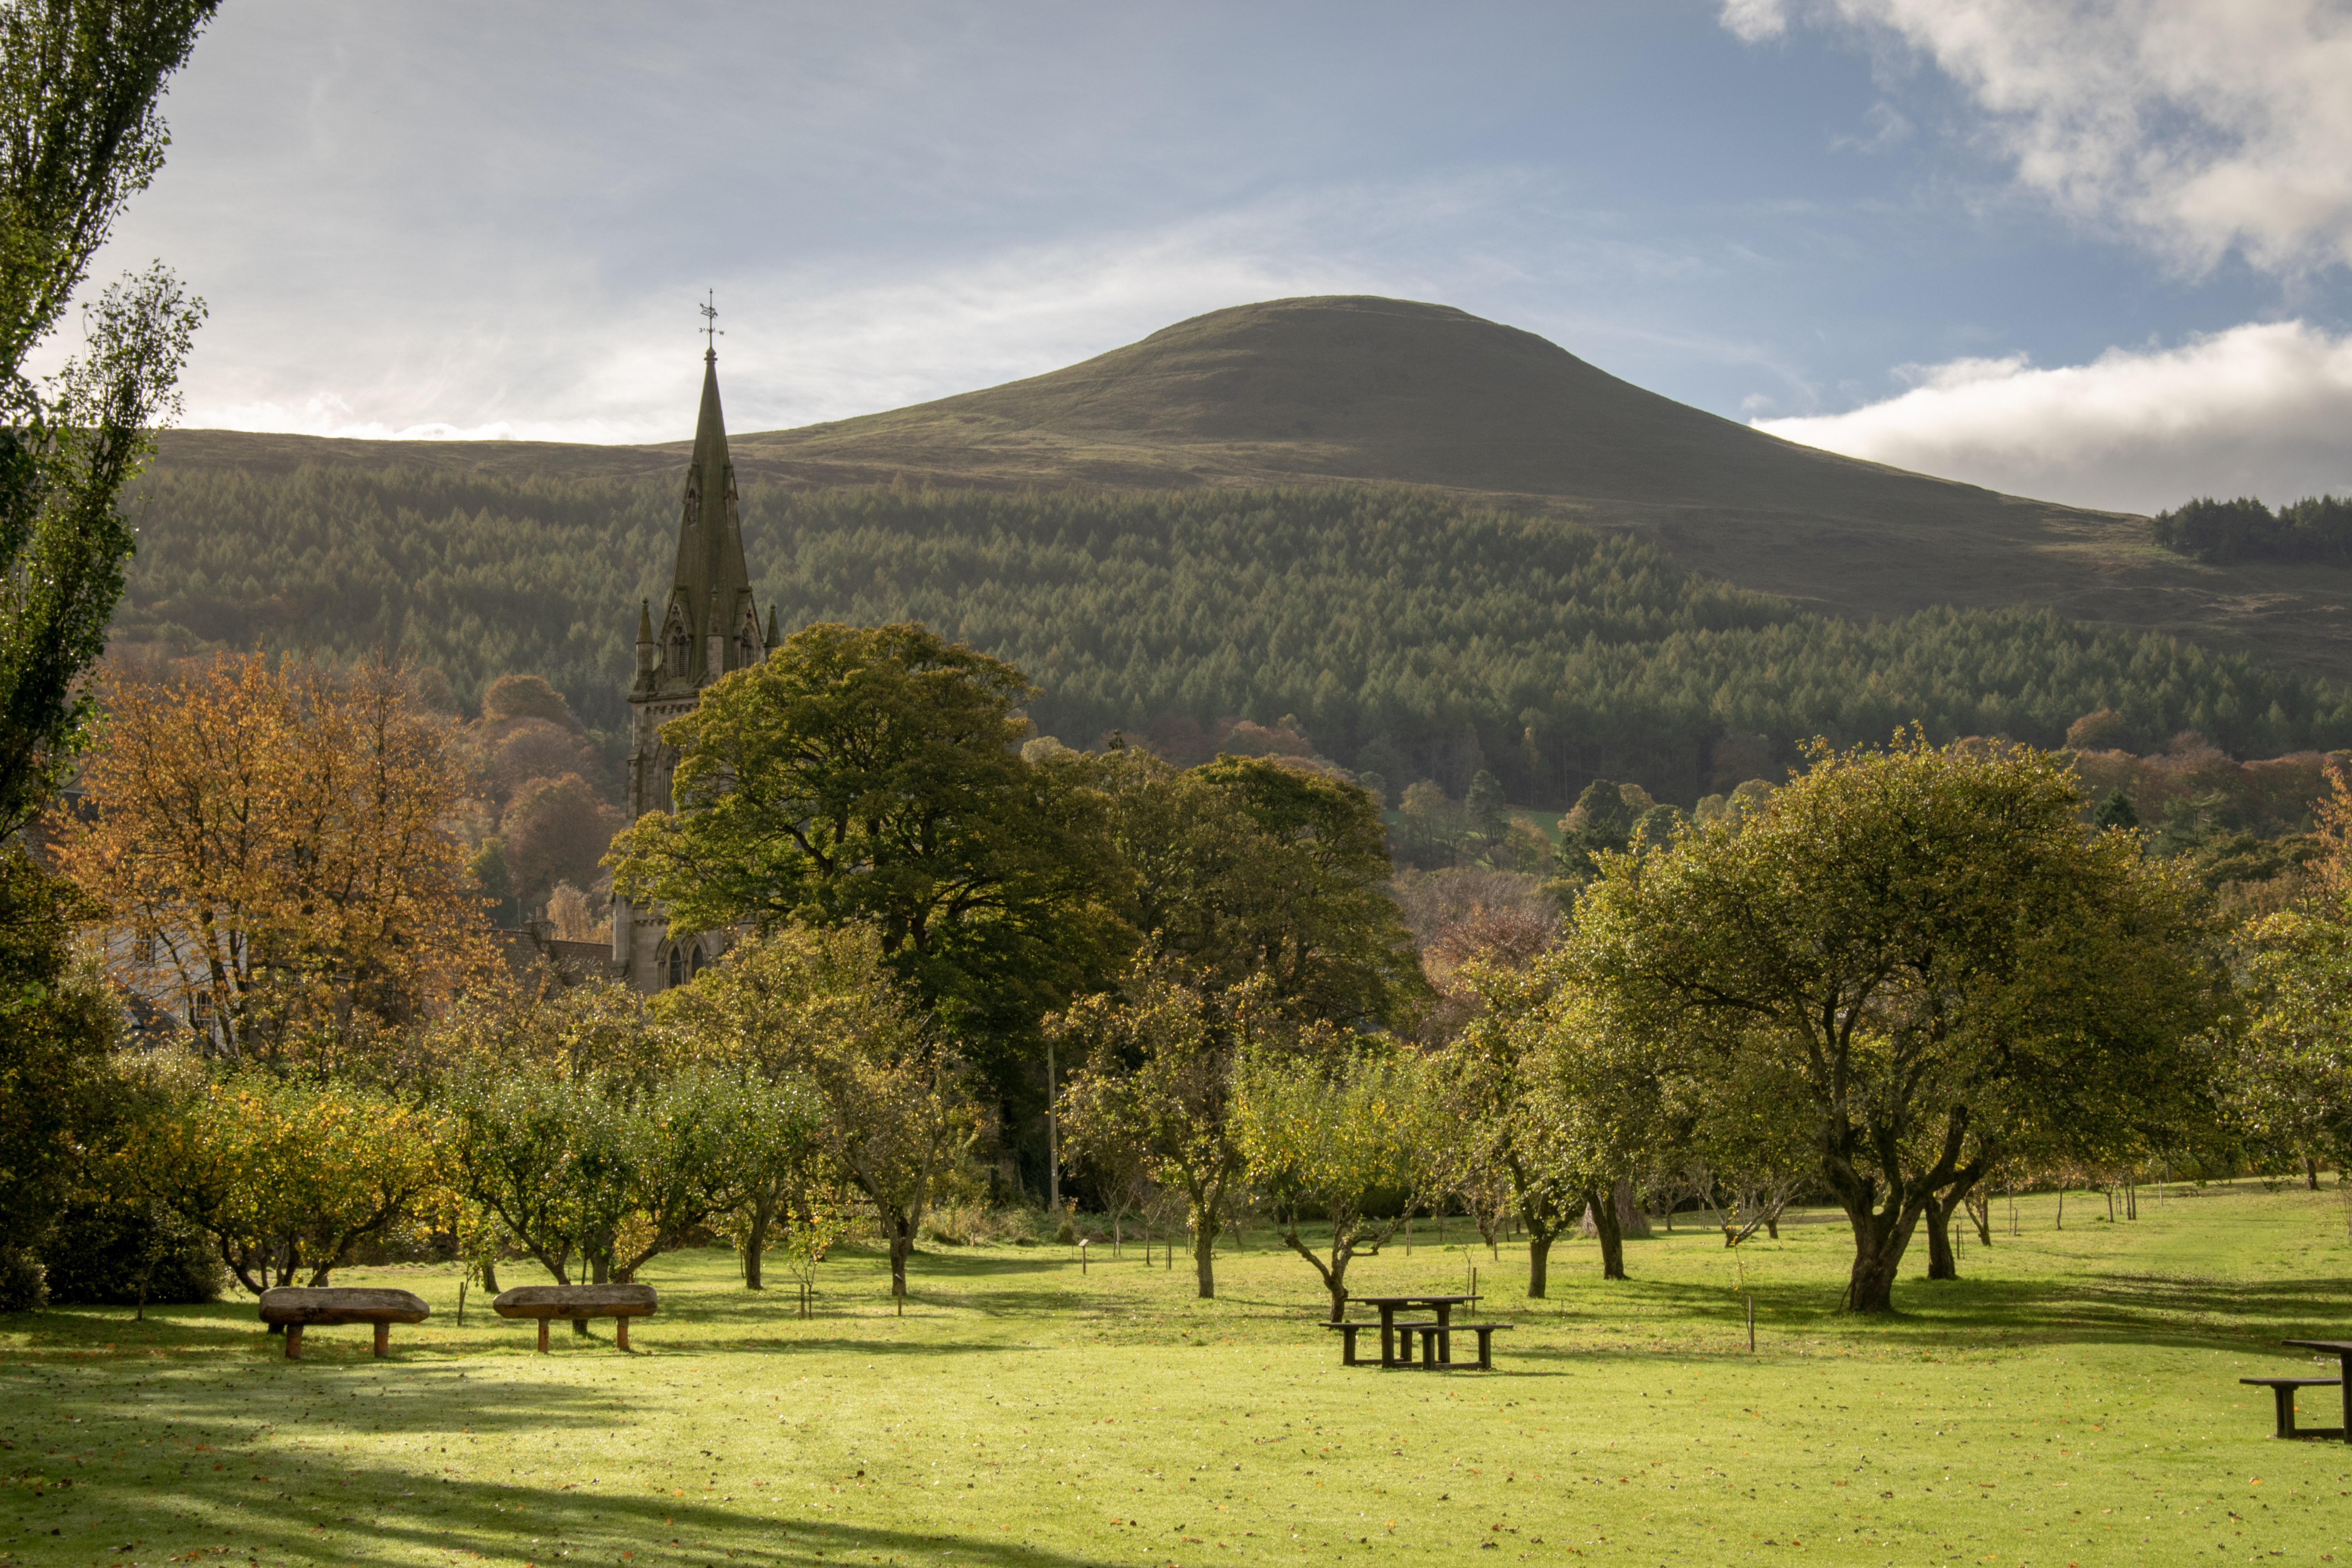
(578, 1303)
(299, 1307)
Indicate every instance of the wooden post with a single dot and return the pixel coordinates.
(382, 1341)
(621, 1333)
(1751, 1322)
(293, 1341)
(542, 1336)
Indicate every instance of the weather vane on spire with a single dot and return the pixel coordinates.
(710, 329)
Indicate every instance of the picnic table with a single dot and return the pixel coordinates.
(2283, 1389)
(1436, 1331)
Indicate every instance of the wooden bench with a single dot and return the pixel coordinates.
(2283, 1391)
(299, 1307)
(1434, 1338)
(1348, 1333)
(578, 1303)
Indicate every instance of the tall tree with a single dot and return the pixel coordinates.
(79, 135)
(1252, 866)
(1927, 940)
(872, 775)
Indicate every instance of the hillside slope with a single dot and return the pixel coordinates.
(1367, 389)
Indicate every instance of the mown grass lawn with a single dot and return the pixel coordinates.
(2073, 1401)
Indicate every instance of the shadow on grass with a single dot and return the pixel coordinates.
(1967, 1314)
(314, 1503)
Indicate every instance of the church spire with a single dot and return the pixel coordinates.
(710, 625)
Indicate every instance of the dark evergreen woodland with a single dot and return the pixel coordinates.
(1396, 626)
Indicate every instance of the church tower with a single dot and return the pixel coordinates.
(707, 626)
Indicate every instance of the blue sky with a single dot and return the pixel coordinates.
(2096, 251)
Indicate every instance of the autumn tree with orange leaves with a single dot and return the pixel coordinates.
(267, 838)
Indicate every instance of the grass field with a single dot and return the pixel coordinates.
(2073, 1401)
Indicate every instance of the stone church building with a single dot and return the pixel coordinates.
(707, 626)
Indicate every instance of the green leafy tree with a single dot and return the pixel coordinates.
(287, 1176)
(1342, 1139)
(1158, 1077)
(1250, 866)
(894, 1116)
(1515, 1121)
(2116, 811)
(2290, 1084)
(1485, 811)
(872, 775)
(580, 1122)
(79, 135)
(1926, 940)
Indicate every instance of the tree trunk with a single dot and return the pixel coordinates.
(1942, 1262)
(902, 1242)
(1601, 1203)
(1880, 1239)
(490, 1275)
(1204, 1267)
(755, 1241)
(1630, 1220)
(2310, 1172)
(1539, 1265)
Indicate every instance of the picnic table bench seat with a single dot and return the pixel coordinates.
(578, 1303)
(2283, 1390)
(1434, 1342)
(1349, 1330)
(297, 1307)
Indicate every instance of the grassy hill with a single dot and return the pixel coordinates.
(1315, 389)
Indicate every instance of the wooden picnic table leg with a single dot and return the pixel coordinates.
(542, 1336)
(621, 1333)
(1388, 1334)
(2343, 1366)
(382, 1341)
(293, 1341)
(1444, 1333)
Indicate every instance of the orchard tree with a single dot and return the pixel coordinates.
(1159, 1078)
(286, 1174)
(1344, 1134)
(819, 1010)
(873, 776)
(1931, 944)
(2290, 1076)
(586, 1127)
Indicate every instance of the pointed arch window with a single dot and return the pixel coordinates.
(680, 645)
(676, 963)
(749, 647)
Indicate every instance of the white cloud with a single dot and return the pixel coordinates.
(2260, 409)
(2198, 125)
(1756, 20)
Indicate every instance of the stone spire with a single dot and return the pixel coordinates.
(708, 624)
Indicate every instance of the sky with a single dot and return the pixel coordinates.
(2098, 251)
